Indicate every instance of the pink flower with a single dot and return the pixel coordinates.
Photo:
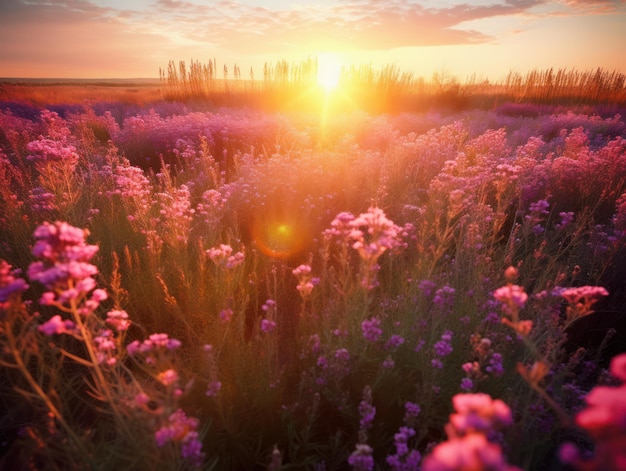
(181, 429)
(470, 453)
(618, 366)
(513, 298)
(605, 414)
(479, 413)
(10, 285)
(168, 377)
(118, 320)
(267, 325)
(56, 325)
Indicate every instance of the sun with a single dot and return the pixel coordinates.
(328, 71)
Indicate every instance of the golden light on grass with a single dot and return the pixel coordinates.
(328, 71)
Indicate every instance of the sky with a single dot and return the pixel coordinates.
(454, 38)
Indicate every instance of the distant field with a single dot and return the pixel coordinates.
(70, 91)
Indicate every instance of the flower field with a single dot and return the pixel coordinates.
(230, 288)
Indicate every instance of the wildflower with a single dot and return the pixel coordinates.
(512, 297)
(167, 377)
(306, 282)
(371, 329)
(223, 256)
(11, 286)
(267, 325)
(105, 346)
(394, 342)
(366, 410)
(443, 347)
(618, 367)
(426, 287)
(183, 430)
(56, 325)
(155, 344)
(213, 388)
(118, 320)
(567, 218)
(404, 459)
(342, 354)
(65, 269)
(472, 452)
(361, 458)
(412, 410)
(478, 413)
(226, 314)
(495, 364)
(388, 363)
(604, 419)
(444, 297)
(581, 300)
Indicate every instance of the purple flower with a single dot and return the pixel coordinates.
(371, 329)
(10, 284)
(467, 384)
(361, 458)
(56, 325)
(443, 347)
(181, 429)
(394, 342)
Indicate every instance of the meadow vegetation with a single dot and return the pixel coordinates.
(185, 285)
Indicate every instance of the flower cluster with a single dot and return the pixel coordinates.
(154, 346)
(223, 256)
(468, 447)
(604, 419)
(65, 270)
(306, 282)
(371, 329)
(404, 459)
(581, 299)
(182, 430)
(11, 286)
(513, 298)
(268, 324)
(371, 234)
(361, 458)
(442, 348)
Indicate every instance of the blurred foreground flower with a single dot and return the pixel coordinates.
(604, 419)
(467, 448)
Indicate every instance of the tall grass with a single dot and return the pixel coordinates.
(247, 290)
(388, 88)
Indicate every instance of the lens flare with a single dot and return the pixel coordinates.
(279, 238)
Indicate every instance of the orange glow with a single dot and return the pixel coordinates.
(279, 238)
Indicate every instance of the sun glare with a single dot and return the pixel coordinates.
(328, 71)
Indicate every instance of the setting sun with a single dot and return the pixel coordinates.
(328, 71)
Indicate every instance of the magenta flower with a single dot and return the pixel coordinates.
(56, 325)
(65, 269)
(223, 256)
(468, 453)
(512, 297)
(479, 413)
(118, 320)
(182, 430)
(618, 367)
(371, 329)
(10, 285)
(267, 325)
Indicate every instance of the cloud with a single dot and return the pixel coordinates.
(84, 32)
(350, 25)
